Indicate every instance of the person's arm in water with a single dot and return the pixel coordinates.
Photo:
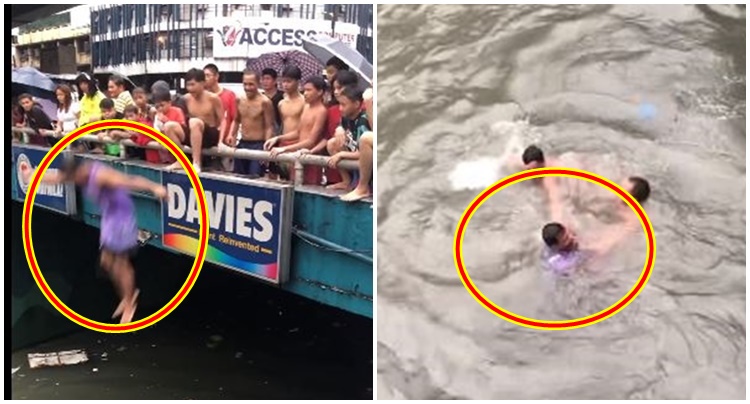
(554, 199)
(115, 179)
(614, 235)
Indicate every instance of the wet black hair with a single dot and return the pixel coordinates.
(337, 63)
(269, 72)
(353, 93)
(551, 233)
(25, 96)
(318, 82)
(346, 78)
(195, 75)
(292, 72)
(641, 189)
(139, 90)
(106, 103)
(533, 153)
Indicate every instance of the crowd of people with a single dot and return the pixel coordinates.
(327, 115)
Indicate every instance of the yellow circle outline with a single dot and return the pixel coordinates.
(645, 223)
(202, 241)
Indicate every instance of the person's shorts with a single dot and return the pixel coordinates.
(254, 168)
(210, 137)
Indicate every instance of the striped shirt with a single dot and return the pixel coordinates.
(122, 101)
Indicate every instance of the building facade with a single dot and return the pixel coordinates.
(57, 44)
(149, 42)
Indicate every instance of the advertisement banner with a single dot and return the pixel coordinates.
(249, 223)
(253, 37)
(58, 197)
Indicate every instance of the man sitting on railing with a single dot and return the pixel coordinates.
(312, 124)
(206, 116)
(353, 140)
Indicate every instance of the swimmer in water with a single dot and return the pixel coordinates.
(564, 250)
(111, 189)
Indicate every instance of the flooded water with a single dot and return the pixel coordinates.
(653, 91)
(231, 338)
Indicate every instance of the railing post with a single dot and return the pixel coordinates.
(123, 153)
(299, 173)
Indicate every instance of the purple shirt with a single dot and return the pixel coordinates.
(119, 231)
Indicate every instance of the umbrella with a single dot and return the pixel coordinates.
(323, 47)
(32, 81)
(48, 106)
(129, 85)
(278, 61)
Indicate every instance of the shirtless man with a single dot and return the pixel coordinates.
(313, 120)
(290, 109)
(205, 118)
(256, 117)
(228, 101)
(565, 251)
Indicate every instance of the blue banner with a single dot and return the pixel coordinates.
(248, 231)
(57, 197)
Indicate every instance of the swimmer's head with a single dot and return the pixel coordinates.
(558, 238)
(638, 188)
(533, 157)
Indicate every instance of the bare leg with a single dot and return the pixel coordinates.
(174, 132)
(365, 170)
(196, 140)
(334, 147)
(123, 276)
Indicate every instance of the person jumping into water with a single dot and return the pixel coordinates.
(111, 189)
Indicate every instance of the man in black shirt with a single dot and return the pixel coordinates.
(36, 119)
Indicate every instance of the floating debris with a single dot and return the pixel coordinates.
(120, 349)
(61, 358)
(95, 370)
(295, 329)
(14, 370)
(238, 355)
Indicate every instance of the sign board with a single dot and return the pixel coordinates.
(60, 198)
(250, 223)
(253, 37)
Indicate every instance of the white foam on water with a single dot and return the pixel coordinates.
(482, 172)
(477, 174)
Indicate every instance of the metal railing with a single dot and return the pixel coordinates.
(242, 154)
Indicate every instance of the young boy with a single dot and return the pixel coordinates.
(355, 129)
(107, 107)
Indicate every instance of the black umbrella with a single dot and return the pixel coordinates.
(32, 81)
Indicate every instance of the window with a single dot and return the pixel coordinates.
(84, 45)
(185, 45)
(185, 14)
